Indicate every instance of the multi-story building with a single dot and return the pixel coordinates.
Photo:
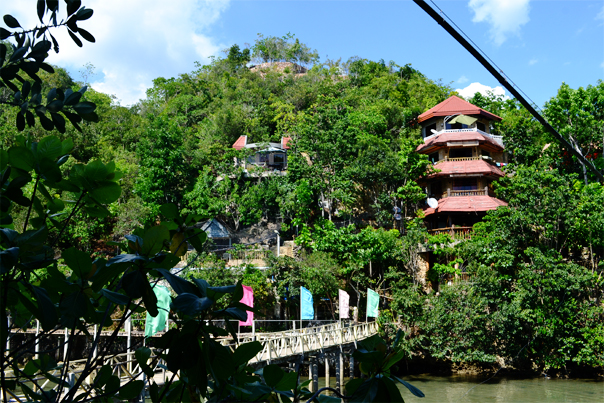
(467, 159)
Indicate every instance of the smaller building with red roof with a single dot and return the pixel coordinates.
(268, 155)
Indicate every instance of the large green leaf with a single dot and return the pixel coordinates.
(131, 390)
(47, 311)
(134, 283)
(179, 284)
(8, 259)
(95, 170)
(272, 375)
(288, 382)
(80, 262)
(153, 239)
(115, 297)
(3, 159)
(142, 355)
(411, 388)
(22, 158)
(50, 147)
(50, 170)
(150, 299)
(107, 192)
(246, 352)
(191, 304)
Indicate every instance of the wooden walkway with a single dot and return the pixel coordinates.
(276, 347)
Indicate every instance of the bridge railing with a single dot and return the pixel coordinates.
(295, 342)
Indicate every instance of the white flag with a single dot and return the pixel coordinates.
(344, 299)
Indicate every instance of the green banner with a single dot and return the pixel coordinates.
(373, 301)
(158, 323)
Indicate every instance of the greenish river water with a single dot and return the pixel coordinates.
(453, 389)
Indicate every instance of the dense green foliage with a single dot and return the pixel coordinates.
(534, 299)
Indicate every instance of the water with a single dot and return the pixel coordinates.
(451, 389)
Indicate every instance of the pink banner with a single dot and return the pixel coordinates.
(343, 298)
(248, 299)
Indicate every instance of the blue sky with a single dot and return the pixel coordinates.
(538, 44)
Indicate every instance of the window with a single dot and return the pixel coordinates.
(429, 128)
(465, 184)
(456, 126)
(436, 189)
(485, 153)
(433, 157)
(460, 152)
(278, 159)
(481, 126)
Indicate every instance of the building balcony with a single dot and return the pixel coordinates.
(471, 192)
(498, 139)
(455, 232)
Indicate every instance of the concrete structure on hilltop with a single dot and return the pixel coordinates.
(467, 159)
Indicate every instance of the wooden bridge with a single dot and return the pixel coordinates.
(300, 346)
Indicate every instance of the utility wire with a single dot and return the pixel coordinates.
(503, 79)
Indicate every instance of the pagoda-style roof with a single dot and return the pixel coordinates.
(460, 138)
(455, 106)
(474, 167)
(465, 204)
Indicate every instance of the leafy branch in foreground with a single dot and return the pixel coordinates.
(28, 54)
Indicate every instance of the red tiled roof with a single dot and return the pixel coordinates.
(453, 106)
(460, 168)
(284, 142)
(445, 137)
(465, 204)
(240, 143)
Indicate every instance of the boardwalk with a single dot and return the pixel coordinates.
(277, 347)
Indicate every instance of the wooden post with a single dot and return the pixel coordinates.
(129, 342)
(340, 372)
(37, 345)
(66, 345)
(315, 374)
(448, 192)
(327, 380)
(94, 351)
(310, 385)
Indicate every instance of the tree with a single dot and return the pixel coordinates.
(578, 115)
(164, 173)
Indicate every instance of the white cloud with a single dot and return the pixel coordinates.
(470, 90)
(533, 61)
(136, 41)
(462, 79)
(505, 17)
(600, 15)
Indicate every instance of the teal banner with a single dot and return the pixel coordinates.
(158, 323)
(307, 310)
(373, 302)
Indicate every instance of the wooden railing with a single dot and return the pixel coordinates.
(300, 341)
(455, 232)
(447, 159)
(475, 192)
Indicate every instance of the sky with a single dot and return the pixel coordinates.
(539, 44)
